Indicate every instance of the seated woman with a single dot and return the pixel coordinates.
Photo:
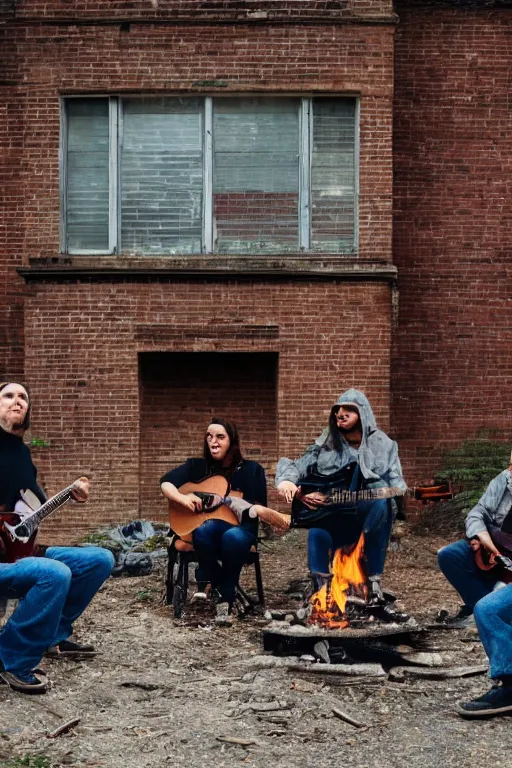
(216, 540)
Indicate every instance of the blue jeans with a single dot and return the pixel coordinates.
(493, 616)
(457, 563)
(492, 610)
(54, 591)
(216, 540)
(375, 518)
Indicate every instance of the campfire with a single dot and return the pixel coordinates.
(344, 592)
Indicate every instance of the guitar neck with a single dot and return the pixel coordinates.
(30, 523)
(339, 496)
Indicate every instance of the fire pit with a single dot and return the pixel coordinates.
(340, 624)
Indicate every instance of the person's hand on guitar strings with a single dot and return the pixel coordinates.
(483, 538)
(191, 502)
(312, 500)
(287, 490)
(80, 489)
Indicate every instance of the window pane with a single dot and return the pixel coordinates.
(87, 174)
(162, 176)
(256, 175)
(333, 176)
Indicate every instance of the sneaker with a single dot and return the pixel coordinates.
(375, 593)
(68, 649)
(497, 701)
(462, 619)
(223, 615)
(23, 682)
(202, 594)
(199, 597)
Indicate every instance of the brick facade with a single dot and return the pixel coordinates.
(452, 227)
(94, 344)
(118, 350)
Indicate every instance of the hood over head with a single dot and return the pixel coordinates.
(335, 451)
(355, 397)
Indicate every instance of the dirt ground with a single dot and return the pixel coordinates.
(170, 692)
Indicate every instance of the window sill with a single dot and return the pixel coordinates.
(305, 266)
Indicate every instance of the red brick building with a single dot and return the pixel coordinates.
(241, 209)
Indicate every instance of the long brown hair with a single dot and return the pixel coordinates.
(234, 455)
(3, 385)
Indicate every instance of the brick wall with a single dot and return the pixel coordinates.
(85, 342)
(181, 393)
(452, 228)
(84, 338)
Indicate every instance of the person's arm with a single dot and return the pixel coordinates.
(481, 515)
(289, 473)
(177, 477)
(187, 500)
(244, 509)
(394, 476)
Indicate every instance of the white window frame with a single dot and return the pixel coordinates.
(208, 224)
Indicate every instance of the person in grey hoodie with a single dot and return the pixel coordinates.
(351, 441)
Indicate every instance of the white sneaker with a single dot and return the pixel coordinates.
(199, 597)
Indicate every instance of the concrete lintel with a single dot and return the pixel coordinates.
(204, 267)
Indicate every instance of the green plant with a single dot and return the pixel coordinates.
(470, 466)
(28, 761)
(147, 595)
(474, 463)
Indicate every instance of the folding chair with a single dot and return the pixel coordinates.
(180, 554)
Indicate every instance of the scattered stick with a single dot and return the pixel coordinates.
(294, 665)
(236, 740)
(48, 709)
(146, 686)
(447, 673)
(347, 718)
(64, 728)
(266, 706)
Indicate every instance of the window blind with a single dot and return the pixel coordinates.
(333, 175)
(162, 176)
(256, 175)
(87, 188)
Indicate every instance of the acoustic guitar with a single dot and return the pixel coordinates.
(18, 529)
(212, 491)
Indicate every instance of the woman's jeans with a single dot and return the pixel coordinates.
(375, 518)
(216, 540)
(492, 609)
(53, 591)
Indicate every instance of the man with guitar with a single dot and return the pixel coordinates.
(350, 455)
(475, 566)
(222, 533)
(55, 588)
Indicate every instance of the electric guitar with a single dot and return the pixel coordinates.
(212, 492)
(334, 498)
(18, 529)
(499, 566)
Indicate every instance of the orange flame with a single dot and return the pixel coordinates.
(347, 576)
